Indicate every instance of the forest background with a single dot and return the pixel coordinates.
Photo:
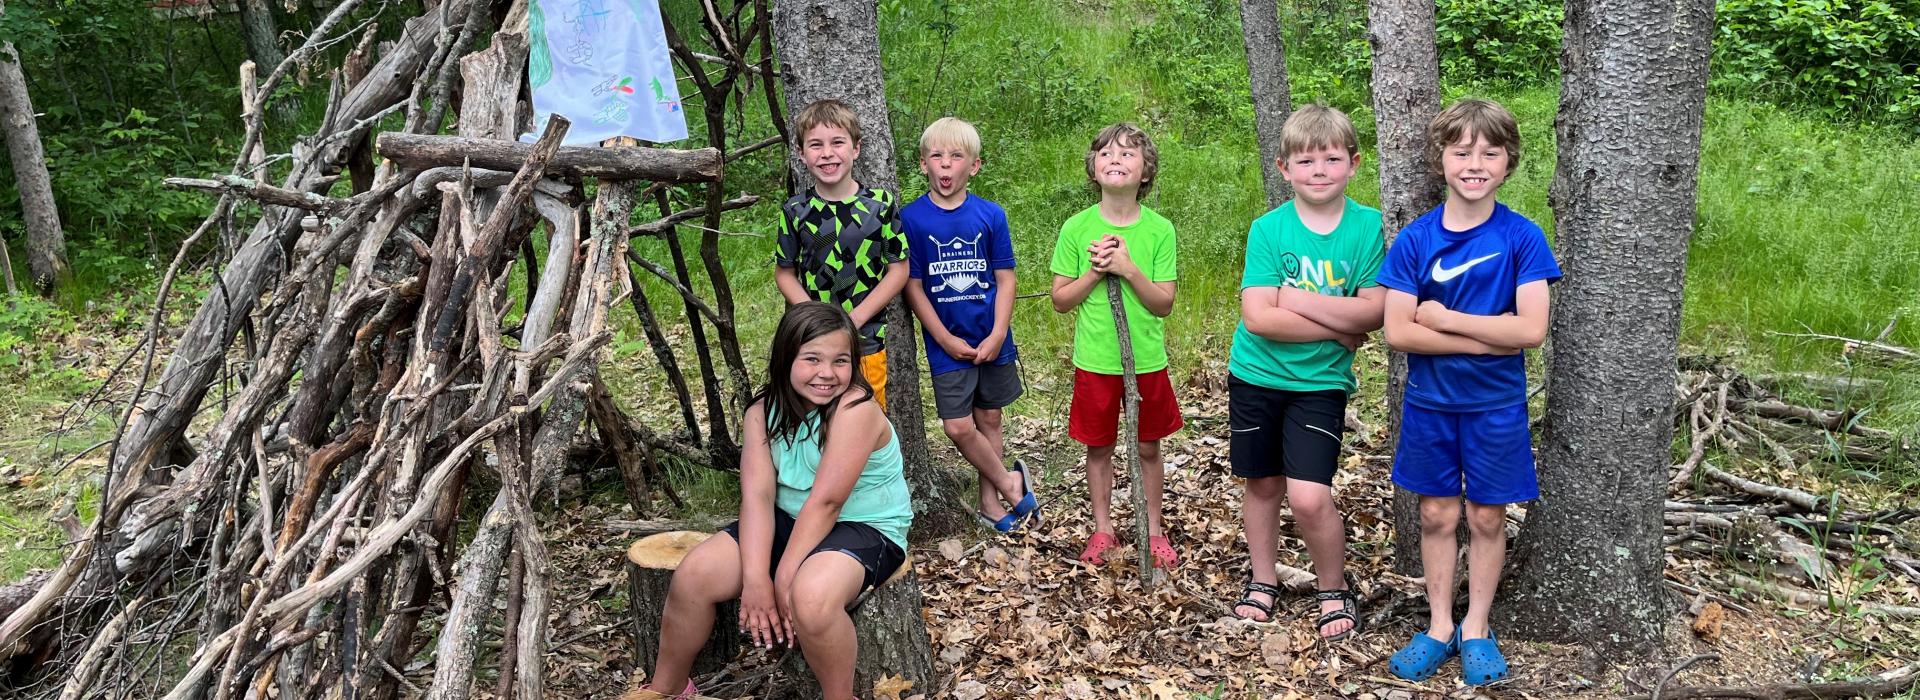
(1807, 185)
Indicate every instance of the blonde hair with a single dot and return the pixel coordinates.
(1126, 134)
(827, 112)
(1469, 118)
(1318, 126)
(952, 133)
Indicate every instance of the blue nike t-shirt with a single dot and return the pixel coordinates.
(1474, 271)
(954, 253)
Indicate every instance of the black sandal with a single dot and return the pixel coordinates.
(1246, 599)
(1349, 610)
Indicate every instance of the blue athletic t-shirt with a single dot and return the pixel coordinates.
(1475, 271)
(954, 253)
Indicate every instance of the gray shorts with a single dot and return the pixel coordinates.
(956, 394)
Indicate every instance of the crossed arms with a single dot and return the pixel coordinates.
(1291, 315)
(1429, 328)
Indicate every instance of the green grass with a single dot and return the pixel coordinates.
(1802, 222)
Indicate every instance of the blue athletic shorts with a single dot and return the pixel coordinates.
(1490, 452)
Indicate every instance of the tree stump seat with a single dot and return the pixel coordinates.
(891, 633)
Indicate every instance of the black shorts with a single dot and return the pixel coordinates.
(1295, 434)
(877, 554)
(989, 387)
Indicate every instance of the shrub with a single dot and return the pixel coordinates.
(1858, 59)
(1507, 41)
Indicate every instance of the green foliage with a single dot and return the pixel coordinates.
(1328, 59)
(1501, 41)
(1195, 48)
(1855, 58)
(25, 321)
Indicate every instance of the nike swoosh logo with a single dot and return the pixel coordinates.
(1442, 274)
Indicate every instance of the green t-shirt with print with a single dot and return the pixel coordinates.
(1283, 252)
(1096, 345)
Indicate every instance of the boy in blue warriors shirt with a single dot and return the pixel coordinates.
(1467, 294)
(960, 261)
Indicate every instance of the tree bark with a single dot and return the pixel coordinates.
(1406, 96)
(831, 48)
(46, 243)
(1272, 98)
(1631, 105)
(257, 29)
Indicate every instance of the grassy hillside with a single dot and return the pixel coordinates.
(1802, 222)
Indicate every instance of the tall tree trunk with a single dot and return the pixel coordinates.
(831, 48)
(261, 34)
(1406, 96)
(1272, 98)
(46, 244)
(1631, 103)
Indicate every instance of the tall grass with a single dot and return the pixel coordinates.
(1802, 223)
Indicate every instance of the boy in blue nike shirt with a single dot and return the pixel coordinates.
(1467, 293)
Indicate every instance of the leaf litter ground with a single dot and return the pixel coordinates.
(1016, 616)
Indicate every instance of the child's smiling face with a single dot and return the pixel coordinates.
(823, 369)
(829, 153)
(1319, 175)
(947, 169)
(1474, 168)
(1118, 167)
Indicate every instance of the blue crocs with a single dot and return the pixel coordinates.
(1481, 662)
(1422, 657)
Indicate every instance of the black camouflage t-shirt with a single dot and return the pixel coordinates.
(840, 250)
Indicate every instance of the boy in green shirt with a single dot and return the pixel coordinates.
(1307, 299)
(1121, 238)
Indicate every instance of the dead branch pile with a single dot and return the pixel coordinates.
(1799, 539)
(306, 542)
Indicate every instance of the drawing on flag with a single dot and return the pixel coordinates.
(604, 65)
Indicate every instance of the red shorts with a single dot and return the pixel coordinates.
(1094, 419)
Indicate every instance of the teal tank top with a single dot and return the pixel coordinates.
(879, 499)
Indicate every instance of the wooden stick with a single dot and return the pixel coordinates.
(424, 151)
(1799, 499)
(1851, 343)
(1132, 405)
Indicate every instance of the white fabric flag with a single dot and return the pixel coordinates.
(604, 65)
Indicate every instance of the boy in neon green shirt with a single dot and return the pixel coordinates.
(1119, 238)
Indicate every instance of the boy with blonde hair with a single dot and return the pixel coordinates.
(1122, 239)
(960, 261)
(1307, 298)
(1467, 294)
(838, 241)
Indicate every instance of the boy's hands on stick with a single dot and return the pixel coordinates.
(1110, 257)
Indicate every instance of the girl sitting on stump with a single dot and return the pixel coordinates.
(820, 474)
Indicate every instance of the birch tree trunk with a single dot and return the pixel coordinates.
(1588, 564)
(1272, 98)
(1406, 96)
(831, 48)
(46, 243)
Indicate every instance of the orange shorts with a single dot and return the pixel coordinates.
(875, 367)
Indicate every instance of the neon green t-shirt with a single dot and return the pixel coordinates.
(1282, 252)
(1096, 345)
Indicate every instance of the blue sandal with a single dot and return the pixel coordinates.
(1481, 662)
(1029, 504)
(1004, 524)
(1423, 656)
